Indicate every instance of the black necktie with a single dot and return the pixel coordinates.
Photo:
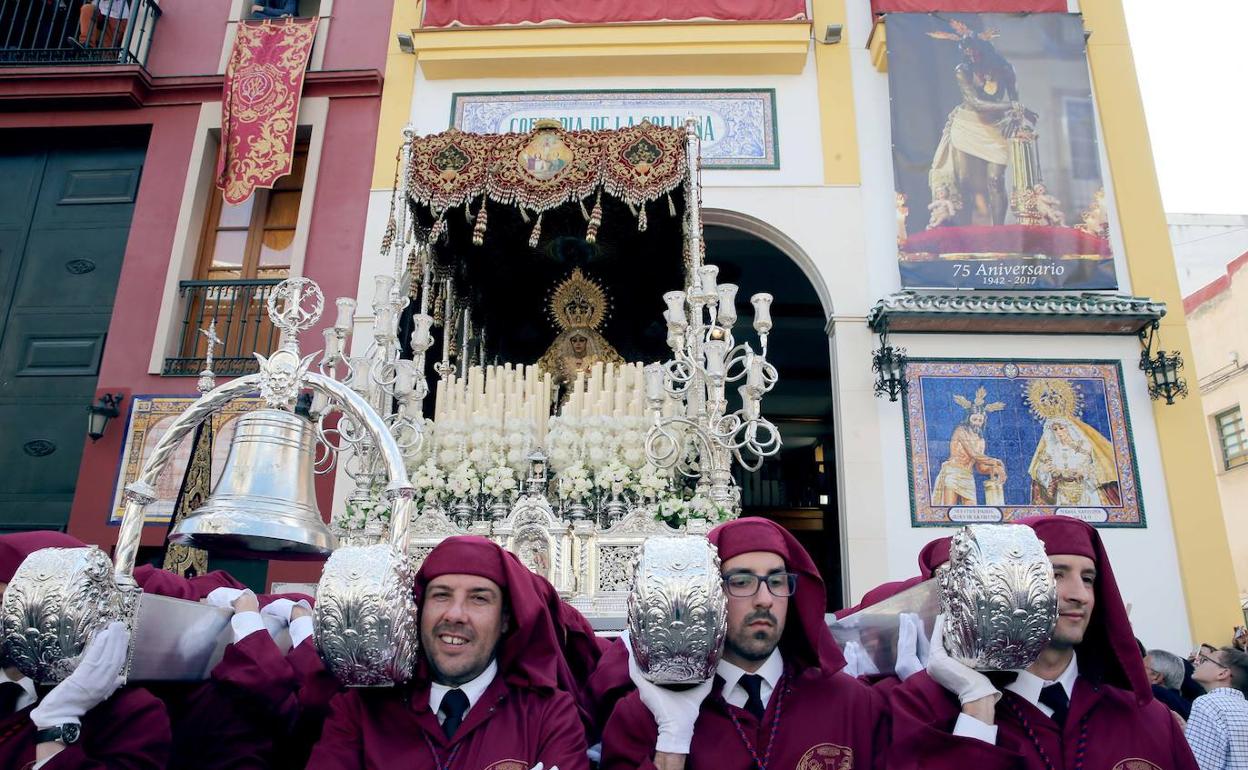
(1054, 696)
(753, 684)
(9, 694)
(454, 705)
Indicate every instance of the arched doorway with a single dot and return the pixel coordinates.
(797, 489)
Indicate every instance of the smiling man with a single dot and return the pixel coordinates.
(485, 693)
(779, 698)
(1085, 703)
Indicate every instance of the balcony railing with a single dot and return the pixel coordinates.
(40, 32)
(240, 309)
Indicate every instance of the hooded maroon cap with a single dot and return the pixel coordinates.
(807, 642)
(16, 547)
(1108, 648)
(579, 647)
(933, 555)
(528, 654)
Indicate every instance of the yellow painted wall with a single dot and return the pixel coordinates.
(1204, 556)
(836, 98)
(396, 94)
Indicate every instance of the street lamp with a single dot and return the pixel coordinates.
(889, 365)
(1162, 368)
(99, 413)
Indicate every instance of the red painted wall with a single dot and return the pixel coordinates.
(189, 40)
(189, 37)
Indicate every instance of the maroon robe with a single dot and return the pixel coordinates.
(162, 582)
(817, 716)
(1113, 722)
(522, 718)
(129, 731)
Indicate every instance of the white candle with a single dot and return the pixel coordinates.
(727, 305)
(762, 312)
(346, 313)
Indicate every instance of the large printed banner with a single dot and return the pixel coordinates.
(260, 104)
(474, 13)
(995, 153)
(994, 441)
(969, 6)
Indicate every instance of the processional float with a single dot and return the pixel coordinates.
(365, 617)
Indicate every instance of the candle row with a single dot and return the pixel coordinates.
(517, 397)
(608, 390)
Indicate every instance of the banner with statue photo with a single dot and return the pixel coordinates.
(994, 441)
(995, 153)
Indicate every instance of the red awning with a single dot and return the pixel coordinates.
(969, 6)
(489, 13)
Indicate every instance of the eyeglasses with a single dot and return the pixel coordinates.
(1202, 658)
(745, 584)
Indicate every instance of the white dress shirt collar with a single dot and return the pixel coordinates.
(1028, 685)
(771, 671)
(473, 689)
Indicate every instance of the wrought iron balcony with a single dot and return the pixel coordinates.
(239, 308)
(43, 32)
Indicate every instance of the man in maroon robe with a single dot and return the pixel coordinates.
(85, 722)
(485, 695)
(1085, 702)
(779, 698)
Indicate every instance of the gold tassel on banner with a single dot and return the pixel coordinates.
(584, 211)
(671, 206)
(641, 218)
(595, 220)
(478, 229)
(537, 232)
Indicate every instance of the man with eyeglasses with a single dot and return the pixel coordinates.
(1084, 704)
(779, 698)
(1217, 728)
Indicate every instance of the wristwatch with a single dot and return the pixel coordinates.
(67, 733)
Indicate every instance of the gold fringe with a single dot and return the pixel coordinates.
(524, 215)
(595, 220)
(671, 206)
(537, 232)
(478, 229)
(584, 213)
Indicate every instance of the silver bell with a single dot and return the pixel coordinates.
(265, 502)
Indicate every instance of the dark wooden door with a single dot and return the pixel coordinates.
(65, 206)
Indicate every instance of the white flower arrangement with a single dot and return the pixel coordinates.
(499, 483)
(430, 482)
(463, 482)
(677, 511)
(614, 478)
(652, 483)
(359, 514)
(575, 483)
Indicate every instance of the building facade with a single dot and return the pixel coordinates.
(1218, 312)
(117, 243)
(814, 212)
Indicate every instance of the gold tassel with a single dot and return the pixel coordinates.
(671, 206)
(537, 232)
(641, 218)
(595, 220)
(632, 209)
(468, 210)
(439, 228)
(478, 229)
(524, 215)
(584, 213)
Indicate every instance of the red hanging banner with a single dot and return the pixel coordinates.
(473, 13)
(260, 105)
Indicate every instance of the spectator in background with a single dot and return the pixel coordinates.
(1218, 727)
(102, 23)
(274, 9)
(1166, 673)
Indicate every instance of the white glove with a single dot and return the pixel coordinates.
(857, 661)
(912, 646)
(961, 680)
(281, 609)
(95, 679)
(674, 711)
(224, 597)
(540, 766)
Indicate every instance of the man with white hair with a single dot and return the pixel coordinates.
(1166, 672)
